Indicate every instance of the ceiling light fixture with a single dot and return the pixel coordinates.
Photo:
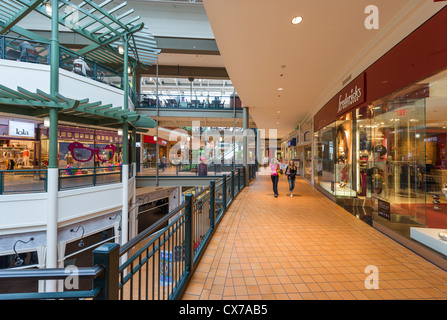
(280, 89)
(297, 20)
(48, 8)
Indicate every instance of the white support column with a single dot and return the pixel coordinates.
(125, 209)
(245, 144)
(51, 233)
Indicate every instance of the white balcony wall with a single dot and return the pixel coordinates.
(28, 212)
(32, 76)
(22, 213)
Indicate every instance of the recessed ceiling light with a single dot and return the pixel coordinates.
(280, 89)
(297, 20)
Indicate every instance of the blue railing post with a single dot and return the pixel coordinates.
(224, 193)
(3, 53)
(107, 255)
(239, 180)
(212, 204)
(232, 185)
(94, 176)
(189, 240)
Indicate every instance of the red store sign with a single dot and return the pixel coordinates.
(351, 97)
(150, 139)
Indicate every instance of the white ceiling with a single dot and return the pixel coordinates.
(258, 43)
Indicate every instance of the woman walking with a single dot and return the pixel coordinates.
(291, 174)
(274, 175)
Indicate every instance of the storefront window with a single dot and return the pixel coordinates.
(19, 146)
(344, 186)
(325, 159)
(401, 161)
(363, 157)
(89, 139)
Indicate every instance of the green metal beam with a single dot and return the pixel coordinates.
(20, 15)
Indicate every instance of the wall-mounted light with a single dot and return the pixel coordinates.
(81, 243)
(129, 70)
(48, 8)
(19, 261)
(46, 122)
(114, 218)
(120, 132)
(120, 49)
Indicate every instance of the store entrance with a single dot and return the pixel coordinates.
(353, 163)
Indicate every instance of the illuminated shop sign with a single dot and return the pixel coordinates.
(21, 129)
(352, 96)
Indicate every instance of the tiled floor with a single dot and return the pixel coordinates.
(305, 247)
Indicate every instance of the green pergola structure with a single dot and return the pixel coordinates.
(38, 104)
(108, 27)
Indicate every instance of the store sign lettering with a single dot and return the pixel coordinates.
(347, 101)
(21, 129)
(21, 132)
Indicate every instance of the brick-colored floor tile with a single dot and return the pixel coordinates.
(277, 248)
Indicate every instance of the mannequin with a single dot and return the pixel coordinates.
(69, 158)
(25, 156)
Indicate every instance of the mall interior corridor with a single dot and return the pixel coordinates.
(305, 247)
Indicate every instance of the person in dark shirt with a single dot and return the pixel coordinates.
(291, 175)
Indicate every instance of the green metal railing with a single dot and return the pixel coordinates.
(74, 178)
(23, 181)
(216, 169)
(103, 275)
(95, 70)
(159, 262)
(12, 48)
(146, 100)
(39, 52)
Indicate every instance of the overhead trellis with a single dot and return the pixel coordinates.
(105, 24)
(38, 104)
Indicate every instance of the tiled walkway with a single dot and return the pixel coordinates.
(305, 247)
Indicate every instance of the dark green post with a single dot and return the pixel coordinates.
(224, 193)
(239, 180)
(212, 204)
(189, 242)
(107, 255)
(232, 185)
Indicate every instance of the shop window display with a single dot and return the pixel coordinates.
(400, 161)
(325, 159)
(94, 148)
(344, 162)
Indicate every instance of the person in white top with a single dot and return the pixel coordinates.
(80, 66)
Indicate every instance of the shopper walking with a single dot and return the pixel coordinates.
(274, 174)
(291, 175)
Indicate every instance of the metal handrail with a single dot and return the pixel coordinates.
(149, 230)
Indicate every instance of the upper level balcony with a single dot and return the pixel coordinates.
(27, 64)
